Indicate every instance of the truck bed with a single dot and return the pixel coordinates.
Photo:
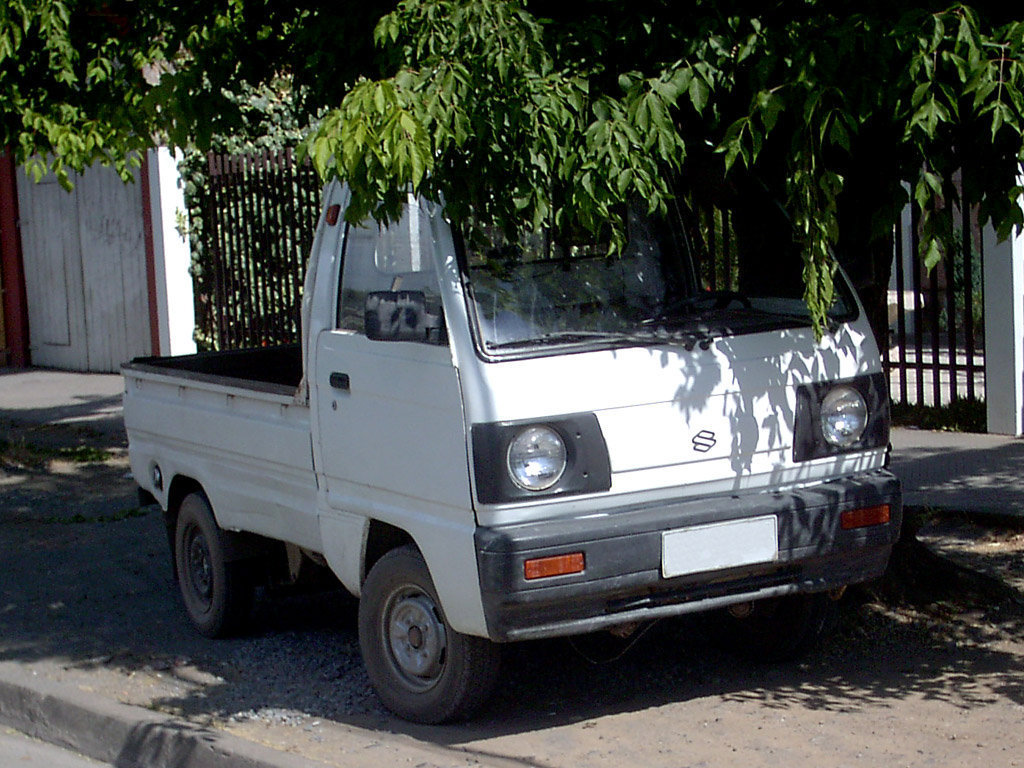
(271, 369)
(230, 422)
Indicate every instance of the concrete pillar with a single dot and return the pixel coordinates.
(172, 257)
(1004, 332)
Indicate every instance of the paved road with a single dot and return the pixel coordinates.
(16, 749)
(892, 688)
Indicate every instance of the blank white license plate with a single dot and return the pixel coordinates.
(719, 545)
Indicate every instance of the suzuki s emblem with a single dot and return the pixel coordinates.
(704, 441)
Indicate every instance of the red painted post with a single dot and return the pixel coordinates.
(12, 269)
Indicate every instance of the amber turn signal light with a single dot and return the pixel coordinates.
(862, 518)
(558, 565)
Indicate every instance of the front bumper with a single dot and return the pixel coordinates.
(623, 581)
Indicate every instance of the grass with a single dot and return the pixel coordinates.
(21, 453)
(82, 454)
(117, 517)
(958, 416)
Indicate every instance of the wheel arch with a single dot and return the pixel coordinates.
(452, 569)
(238, 545)
(381, 538)
(180, 487)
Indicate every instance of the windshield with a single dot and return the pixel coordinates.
(537, 293)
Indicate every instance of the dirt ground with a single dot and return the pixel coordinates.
(923, 669)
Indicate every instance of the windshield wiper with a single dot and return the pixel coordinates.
(568, 337)
(644, 337)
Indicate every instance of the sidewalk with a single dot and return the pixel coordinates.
(982, 474)
(64, 613)
(38, 396)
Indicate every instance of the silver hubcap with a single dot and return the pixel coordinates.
(416, 638)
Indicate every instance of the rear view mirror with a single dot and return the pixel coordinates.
(401, 316)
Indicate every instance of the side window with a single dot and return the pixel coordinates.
(389, 288)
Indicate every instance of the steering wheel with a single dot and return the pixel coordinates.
(721, 299)
(701, 301)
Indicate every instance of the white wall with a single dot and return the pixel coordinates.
(172, 255)
(1004, 332)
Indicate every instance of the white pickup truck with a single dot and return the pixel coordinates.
(516, 440)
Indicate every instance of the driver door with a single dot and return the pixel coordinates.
(389, 408)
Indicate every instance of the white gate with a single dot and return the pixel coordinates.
(85, 271)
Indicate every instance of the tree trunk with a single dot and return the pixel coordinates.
(867, 212)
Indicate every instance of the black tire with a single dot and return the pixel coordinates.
(421, 669)
(781, 628)
(217, 594)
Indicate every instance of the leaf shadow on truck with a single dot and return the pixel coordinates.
(756, 379)
(499, 440)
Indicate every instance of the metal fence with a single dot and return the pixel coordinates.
(935, 350)
(714, 247)
(259, 214)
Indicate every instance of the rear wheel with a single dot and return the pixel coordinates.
(421, 669)
(217, 594)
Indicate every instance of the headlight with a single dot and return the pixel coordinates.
(843, 416)
(524, 461)
(835, 417)
(536, 458)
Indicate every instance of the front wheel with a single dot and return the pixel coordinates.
(217, 594)
(421, 669)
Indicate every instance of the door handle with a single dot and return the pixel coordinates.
(340, 381)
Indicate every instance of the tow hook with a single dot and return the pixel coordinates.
(622, 631)
(741, 610)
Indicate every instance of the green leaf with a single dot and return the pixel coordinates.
(770, 105)
(699, 93)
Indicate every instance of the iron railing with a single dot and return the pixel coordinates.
(935, 350)
(259, 216)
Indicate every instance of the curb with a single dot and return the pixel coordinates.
(120, 734)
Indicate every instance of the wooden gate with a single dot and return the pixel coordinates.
(85, 271)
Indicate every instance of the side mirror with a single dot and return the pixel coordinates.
(401, 316)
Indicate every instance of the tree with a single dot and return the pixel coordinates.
(70, 86)
(830, 107)
(546, 114)
(84, 81)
